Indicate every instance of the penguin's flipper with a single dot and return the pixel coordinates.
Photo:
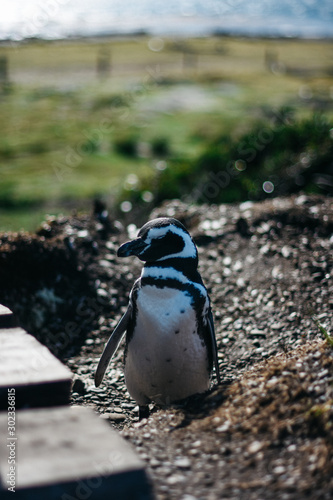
(213, 344)
(112, 345)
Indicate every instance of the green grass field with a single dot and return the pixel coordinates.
(78, 117)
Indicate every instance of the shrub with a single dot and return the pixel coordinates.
(6, 150)
(160, 146)
(126, 145)
(273, 158)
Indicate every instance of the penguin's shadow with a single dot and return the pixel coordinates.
(200, 406)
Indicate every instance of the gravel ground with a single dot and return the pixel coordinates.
(267, 430)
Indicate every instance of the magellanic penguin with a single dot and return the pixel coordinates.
(170, 339)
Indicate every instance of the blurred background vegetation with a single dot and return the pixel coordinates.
(138, 120)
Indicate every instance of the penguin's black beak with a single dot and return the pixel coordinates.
(134, 247)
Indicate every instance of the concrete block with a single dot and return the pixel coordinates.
(7, 318)
(69, 454)
(38, 377)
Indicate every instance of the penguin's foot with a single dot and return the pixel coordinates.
(143, 412)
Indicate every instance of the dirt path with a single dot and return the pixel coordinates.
(266, 432)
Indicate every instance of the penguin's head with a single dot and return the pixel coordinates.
(161, 239)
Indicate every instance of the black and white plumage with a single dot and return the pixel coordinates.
(170, 340)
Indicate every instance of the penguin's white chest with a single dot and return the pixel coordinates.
(166, 359)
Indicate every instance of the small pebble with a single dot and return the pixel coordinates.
(182, 463)
(254, 447)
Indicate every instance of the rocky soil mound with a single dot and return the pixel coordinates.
(266, 431)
